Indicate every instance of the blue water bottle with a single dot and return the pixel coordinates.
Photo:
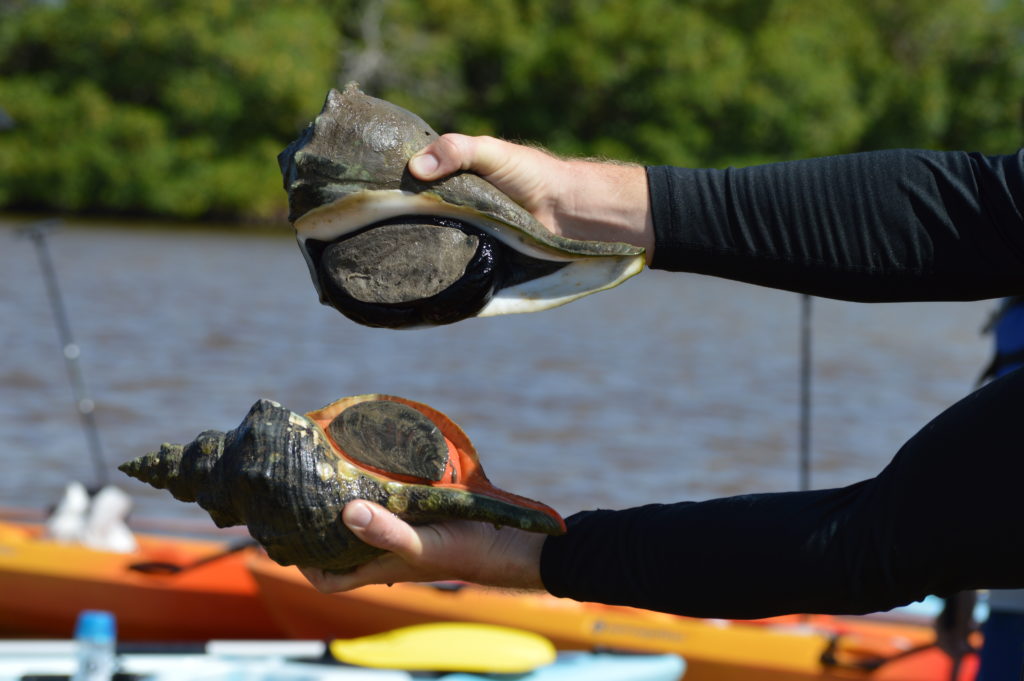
(96, 636)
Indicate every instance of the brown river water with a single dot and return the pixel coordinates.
(670, 387)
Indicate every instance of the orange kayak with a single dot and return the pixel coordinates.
(242, 594)
(45, 584)
(781, 649)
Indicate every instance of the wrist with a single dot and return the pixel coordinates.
(606, 202)
(513, 561)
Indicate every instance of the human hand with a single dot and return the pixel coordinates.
(579, 199)
(459, 549)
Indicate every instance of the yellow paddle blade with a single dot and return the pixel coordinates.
(449, 646)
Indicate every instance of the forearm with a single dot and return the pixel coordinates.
(877, 226)
(752, 556)
(741, 557)
(942, 517)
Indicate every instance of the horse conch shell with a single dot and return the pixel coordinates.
(387, 250)
(288, 476)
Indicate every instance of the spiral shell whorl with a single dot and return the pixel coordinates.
(273, 473)
(285, 486)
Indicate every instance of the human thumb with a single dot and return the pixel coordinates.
(453, 152)
(424, 165)
(378, 527)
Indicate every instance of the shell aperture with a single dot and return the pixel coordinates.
(288, 476)
(351, 196)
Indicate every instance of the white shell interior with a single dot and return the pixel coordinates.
(578, 279)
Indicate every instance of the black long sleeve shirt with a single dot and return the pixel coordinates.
(947, 513)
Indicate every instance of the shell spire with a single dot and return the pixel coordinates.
(159, 469)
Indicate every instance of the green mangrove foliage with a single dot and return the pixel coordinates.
(150, 107)
(179, 108)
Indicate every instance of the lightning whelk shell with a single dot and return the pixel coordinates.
(287, 476)
(387, 250)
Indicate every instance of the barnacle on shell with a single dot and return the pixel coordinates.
(287, 476)
(388, 250)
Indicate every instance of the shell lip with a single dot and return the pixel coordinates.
(463, 462)
(364, 206)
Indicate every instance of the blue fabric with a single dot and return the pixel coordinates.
(1009, 333)
(1002, 654)
(1002, 658)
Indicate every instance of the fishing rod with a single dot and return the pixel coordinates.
(805, 391)
(36, 231)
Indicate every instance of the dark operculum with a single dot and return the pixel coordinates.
(391, 437)
(417, 271)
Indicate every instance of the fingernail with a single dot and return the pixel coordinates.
(423, 164)
(358, 517)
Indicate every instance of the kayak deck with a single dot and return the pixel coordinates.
(781, 649)
(45, 584)
(258, 661)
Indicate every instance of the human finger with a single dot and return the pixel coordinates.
(460, 550)
(376, 526)
(386, 569)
